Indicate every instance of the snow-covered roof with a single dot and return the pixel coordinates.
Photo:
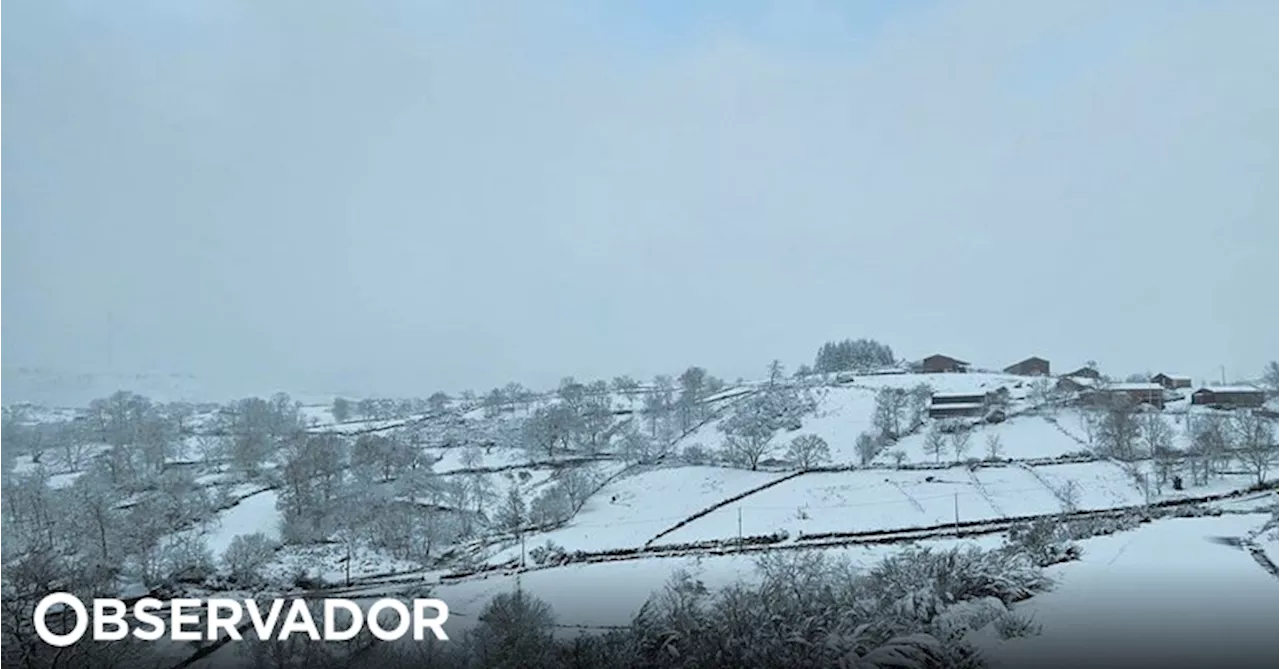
(1175, 377)
(955, 407)
(1231, 389)
(1134, 386)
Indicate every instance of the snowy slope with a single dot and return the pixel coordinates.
(630, 511)
(1160, 595)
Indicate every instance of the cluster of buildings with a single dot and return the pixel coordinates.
(1087, 384)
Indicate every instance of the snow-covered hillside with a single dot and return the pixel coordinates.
(593, 501)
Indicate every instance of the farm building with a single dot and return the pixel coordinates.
(1086, 373)
(1139, 393)
(958, 410)
(955, 405)
(957, 398)
(1230, 397)
(1032, 366)
(942, 364)
(1172, 381)
(1075, 384)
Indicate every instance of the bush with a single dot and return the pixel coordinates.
(696, 454)
(818, 612)
(247, 555)
(548, 553)
(1045, 541)
(1012, 625)
(920, 582)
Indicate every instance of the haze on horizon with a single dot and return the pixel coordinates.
(402, 197)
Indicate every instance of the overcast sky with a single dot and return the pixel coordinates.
(399, 197)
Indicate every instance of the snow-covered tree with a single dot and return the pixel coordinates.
(750, 429)
(1255, 439)
(995, 449)
(855, 355)
(512, 515)
(890, 412)
(868, 446)
(1271, 379)
(808, 451)
(341, 409)
(960, 441)
(935, 444)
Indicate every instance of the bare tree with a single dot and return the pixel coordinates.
(1041, 393)
(890, 411)
(1069, 495)
(776, 373)
(1212, 442)
(898, 457)
(994, 448)
(746, 450)
(1119, 428)
(1156, 432)
(512, 515)
(1271, 379)
(808, 451)
(917, 409)
(1088, 421)
(868, 447)
(1255, 444)
(341, 409)
(1164, 465)
(625, 385)
(935, 444)
(960, 442)
(438, 402)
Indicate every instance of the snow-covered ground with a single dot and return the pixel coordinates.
(634, 509)
(1159, 572)
(842, 414)
(610, 593)
(1161, 595)
(846, 502)
(255, 513)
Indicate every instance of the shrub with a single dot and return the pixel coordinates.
(1012, 625)
(247, 555)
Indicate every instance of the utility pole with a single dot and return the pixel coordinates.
(739, 525)
(520, 570)
(957, 501)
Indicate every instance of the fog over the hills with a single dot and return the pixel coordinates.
(396, 198)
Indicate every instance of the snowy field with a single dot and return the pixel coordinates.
(841, 415)
(1025, 438)
(871, 500)
(452, 459)
(1162, 594)
(1092, 485)
(255, 513)
(633, 510)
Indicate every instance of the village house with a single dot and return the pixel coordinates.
(958, 405)
(1171, 381)
(942, 364)
(1139, 393)
(1075, 384)
(1086, 373)
(1032, 366)
(1229, 397)
(959, 410)
(957, 398)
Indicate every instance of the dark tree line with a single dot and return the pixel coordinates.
(852, 355)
